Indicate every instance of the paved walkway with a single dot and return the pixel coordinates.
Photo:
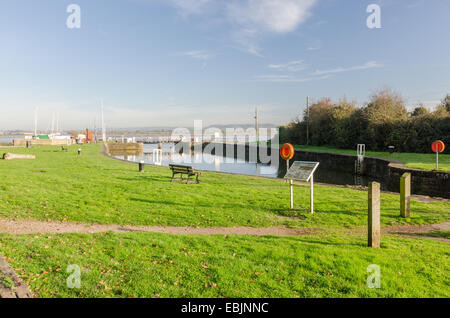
(14, 288)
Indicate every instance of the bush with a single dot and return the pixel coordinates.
(383, 122)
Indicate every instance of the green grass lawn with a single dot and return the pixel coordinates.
(161, 265)
(92, 188)
(422, 161)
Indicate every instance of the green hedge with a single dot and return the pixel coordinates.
(383, 122)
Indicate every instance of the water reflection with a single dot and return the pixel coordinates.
(208, 162)
(201, 161)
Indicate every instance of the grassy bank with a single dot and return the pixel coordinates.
(92, 188)
(420, 161)
(160, 265)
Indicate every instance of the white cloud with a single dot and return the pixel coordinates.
(293, 66)
(368, 65)
(316, 45)
(200, 55)
(279, 16)
(197, 54)
(287, 78)
(190, 7)
(250, 20)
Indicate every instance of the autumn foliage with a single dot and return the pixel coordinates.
(384, 121)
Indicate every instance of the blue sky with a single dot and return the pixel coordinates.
(169, 62)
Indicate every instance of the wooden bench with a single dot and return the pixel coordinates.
(187, 170)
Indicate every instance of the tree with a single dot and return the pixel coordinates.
(341, 123)
(419, 111)
(384, 121)
(386, 106)
(320, 121)
(446, 103)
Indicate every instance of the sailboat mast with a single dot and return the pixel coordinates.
(35, 121)
(103, 126)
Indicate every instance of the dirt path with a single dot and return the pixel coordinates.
(419, 230)
(31, 227)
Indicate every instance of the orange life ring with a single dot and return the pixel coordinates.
(287, 152)
(438, 146)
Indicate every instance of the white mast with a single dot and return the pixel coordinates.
(57, 122)
(35, 121)
(53, 123)
(103, 126)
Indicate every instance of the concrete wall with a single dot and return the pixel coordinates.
(124, 148)
(41, 142)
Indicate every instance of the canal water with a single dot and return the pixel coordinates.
(6, 140)
(208, 162)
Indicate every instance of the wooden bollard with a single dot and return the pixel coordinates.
(405, 195)
(374, 215)
(141, 166)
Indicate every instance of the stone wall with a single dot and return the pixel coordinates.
(124, 148)
(18, 288)
(41, 142)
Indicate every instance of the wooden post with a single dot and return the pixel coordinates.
(374, 215)
(405, 194)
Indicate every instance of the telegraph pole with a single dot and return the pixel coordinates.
(256, 126)
(307, 120)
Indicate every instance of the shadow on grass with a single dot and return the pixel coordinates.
(301, 214)
(312, 241)
(193, 205)
(146, 178)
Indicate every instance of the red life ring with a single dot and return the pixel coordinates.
(287, 152)
(438, 146)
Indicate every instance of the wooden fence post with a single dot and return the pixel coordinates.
(374, 215)
(405, 195)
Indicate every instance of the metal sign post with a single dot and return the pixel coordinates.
(311, 198)
(292, 194)
(437, 159)
(302, 171)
